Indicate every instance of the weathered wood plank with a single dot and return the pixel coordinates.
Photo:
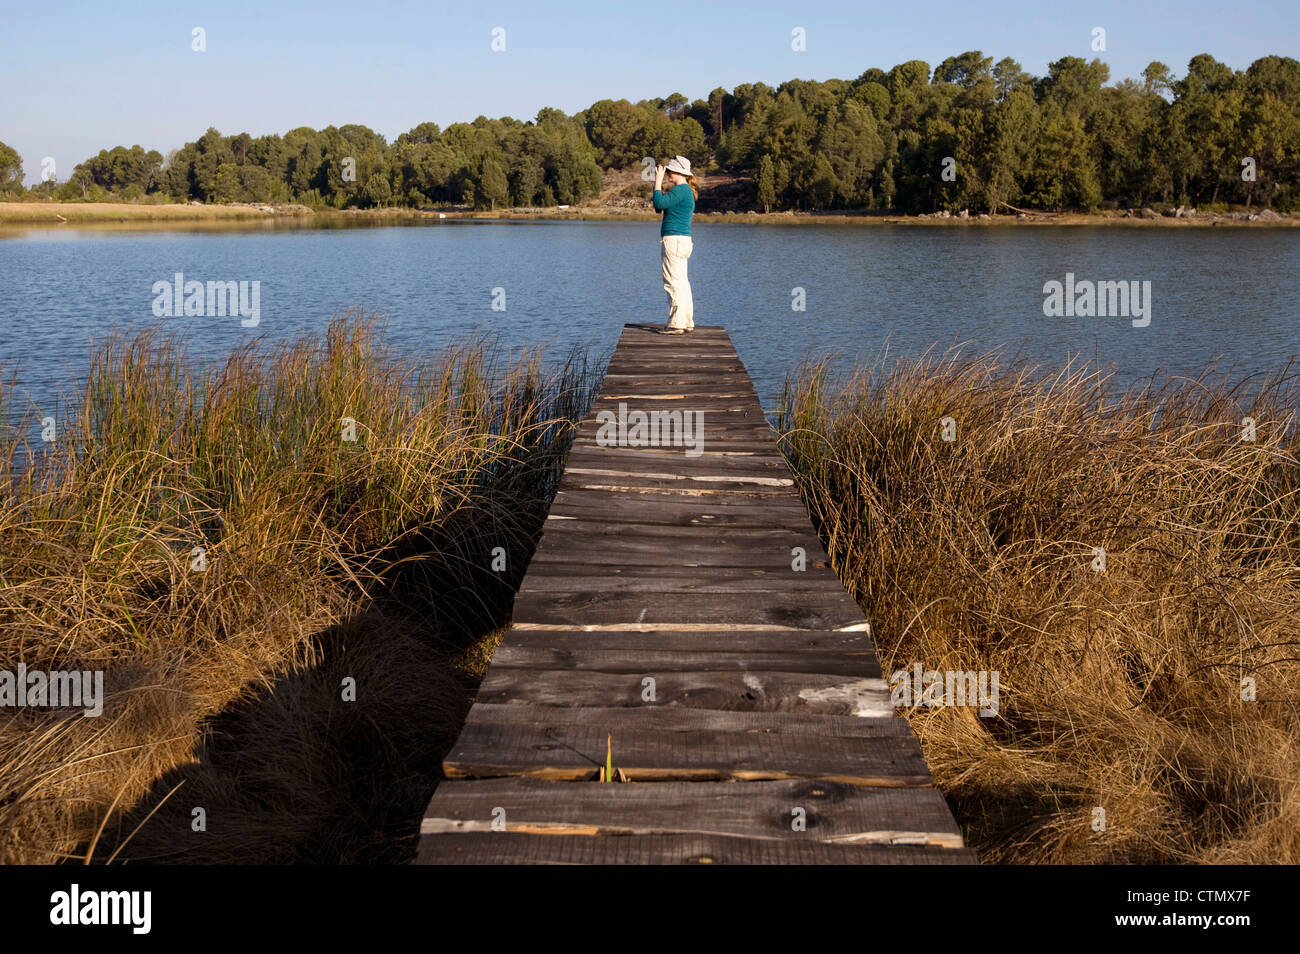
(576, 753)
(684, 537)
(696, 341)
(647, 365)
(641, 554)
(755, 446)
(667, 395)
(719, 640)
(751, 497)
(546, 580)
(746, 414)
(666, 401)
(585, 464)
(662, 368)
(678, 719)
(663, 515)
(713, 689)
(695, 344)
(830, 812)
(713, 408)
(700, 337)
(742, 469)
(701, 383)
(551, 574)
(737, 426)
(641, 334)
(658, 363)
(727, 436)
(762, 452)
(687, 536)
(704, 467)
(674, 510)
(606, 543)
(796, 609)
(861, 665)
(735, 488)
(713, 415)
(670, 357)
(699, 441)
(664, 606)
(504, 848)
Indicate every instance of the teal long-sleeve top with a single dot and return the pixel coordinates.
(677, 205)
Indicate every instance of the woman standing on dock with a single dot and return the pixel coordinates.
(677, 205)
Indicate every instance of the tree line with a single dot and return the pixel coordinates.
(968, 134)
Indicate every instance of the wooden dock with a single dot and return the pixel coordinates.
(680, 604)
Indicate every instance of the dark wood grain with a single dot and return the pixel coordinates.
(684, 580)
(576, 753)
(683, 610)
(505, 848)
(721, 640)
(832, 812)
(850, 664)
(723, 689)
(677, 719)
(804, 608)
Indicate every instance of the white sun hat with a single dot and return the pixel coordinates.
(680, 164)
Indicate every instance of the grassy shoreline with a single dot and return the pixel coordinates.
(110, 213)
(325, 556)
(1123, 681)
(330, 560)
(92, 213)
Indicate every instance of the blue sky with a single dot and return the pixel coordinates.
(83, 76)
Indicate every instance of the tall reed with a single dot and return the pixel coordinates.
(1122, 681)
(229, 544)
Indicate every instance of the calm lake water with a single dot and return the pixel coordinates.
(1227, 294)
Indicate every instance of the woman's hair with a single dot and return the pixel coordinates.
(692, 182)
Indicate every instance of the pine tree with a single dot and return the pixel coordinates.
(766, 184)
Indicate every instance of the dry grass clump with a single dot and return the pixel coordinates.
(56, 213)
(323, 558)
(1120, 689)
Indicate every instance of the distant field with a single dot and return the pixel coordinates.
(94, 213)
(84, 212)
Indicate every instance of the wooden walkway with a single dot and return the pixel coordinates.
(663, 608)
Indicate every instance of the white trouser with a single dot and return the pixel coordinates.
(681, 307)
